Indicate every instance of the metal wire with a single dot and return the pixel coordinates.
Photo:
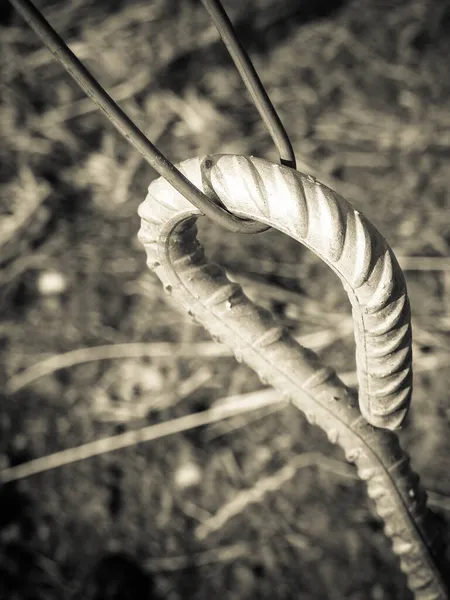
(252, 81)
(124, 124)
(136, 137)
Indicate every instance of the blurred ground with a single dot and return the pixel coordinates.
(363, 90)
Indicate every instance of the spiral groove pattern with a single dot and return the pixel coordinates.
(311, 213)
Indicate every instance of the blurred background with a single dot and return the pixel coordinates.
(259, 505)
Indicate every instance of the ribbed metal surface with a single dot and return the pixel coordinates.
(332, 228)
(354, 249)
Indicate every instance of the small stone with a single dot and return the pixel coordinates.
(187, 475)
(51, 283)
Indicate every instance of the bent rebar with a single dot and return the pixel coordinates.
(317, 217)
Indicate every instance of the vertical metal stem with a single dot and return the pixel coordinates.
(252, 82)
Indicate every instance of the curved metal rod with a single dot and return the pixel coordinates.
(311, 213)
(125, 125)
(252, 82)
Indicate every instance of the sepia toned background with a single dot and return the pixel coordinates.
(259, 504)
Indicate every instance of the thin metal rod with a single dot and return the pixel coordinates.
(126, 126)
(252, 81)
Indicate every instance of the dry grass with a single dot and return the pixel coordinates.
(96, 359)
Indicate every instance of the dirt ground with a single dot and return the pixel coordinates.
(259, 505)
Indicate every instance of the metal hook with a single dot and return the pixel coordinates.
(136, 137)
(125, 125)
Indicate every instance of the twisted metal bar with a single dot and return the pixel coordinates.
(313, 214)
